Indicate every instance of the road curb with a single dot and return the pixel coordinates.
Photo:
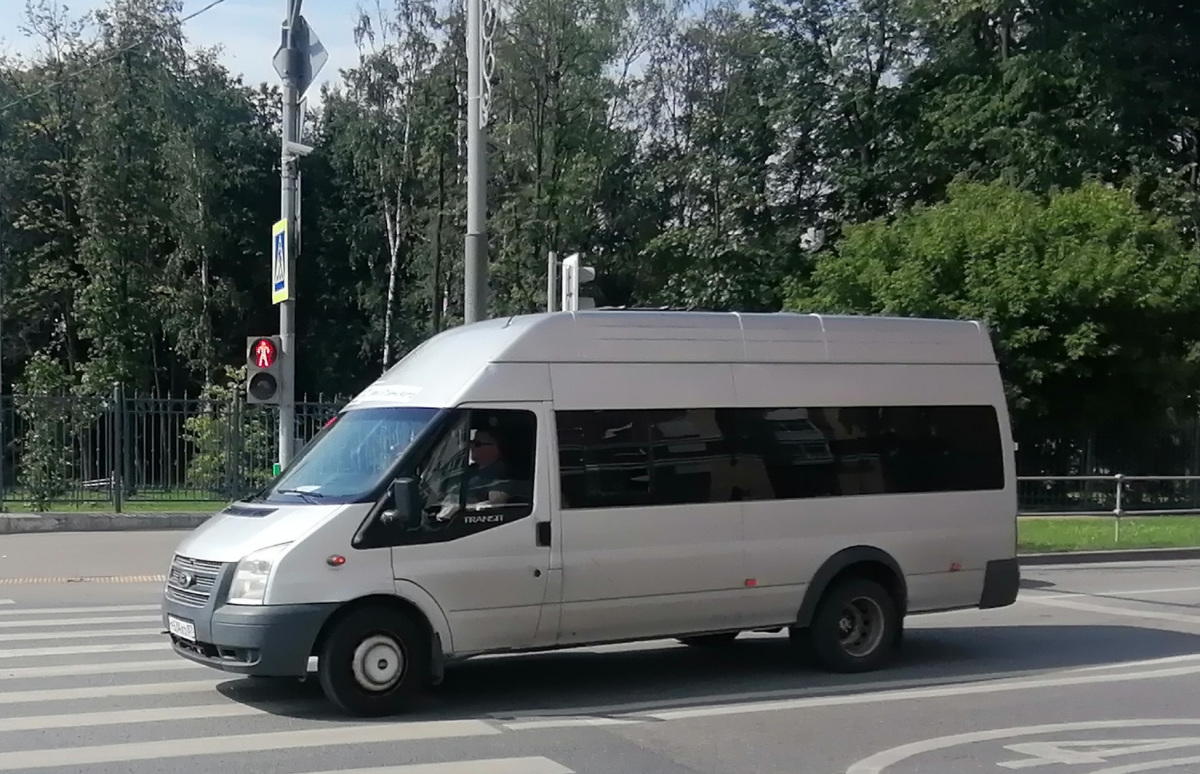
(26, 523)
(1119, 555)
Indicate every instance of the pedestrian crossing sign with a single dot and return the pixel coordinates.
(281, 289)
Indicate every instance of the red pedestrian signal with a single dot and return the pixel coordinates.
(264, 353)
(263, 378)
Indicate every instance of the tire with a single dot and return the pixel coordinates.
(856, 627)
(710, 640)
(373, 662)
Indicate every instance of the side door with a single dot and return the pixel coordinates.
(650, 525)
(478, 550)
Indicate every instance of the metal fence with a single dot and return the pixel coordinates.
(137, 452)
(128, 452)
(1116, 495)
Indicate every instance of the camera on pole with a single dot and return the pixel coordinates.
(263, 380)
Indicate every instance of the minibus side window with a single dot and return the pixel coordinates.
(477, 476)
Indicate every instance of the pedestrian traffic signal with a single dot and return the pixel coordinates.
(575, 279)
(262, 369)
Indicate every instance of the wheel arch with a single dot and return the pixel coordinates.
(409, 600)
(856, 561)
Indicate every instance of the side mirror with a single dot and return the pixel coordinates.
(406, 504)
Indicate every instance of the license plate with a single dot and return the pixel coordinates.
(185, 630)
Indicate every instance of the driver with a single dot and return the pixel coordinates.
(487, 475)
(487, 480)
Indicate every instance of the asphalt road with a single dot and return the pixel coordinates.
(1096, 670)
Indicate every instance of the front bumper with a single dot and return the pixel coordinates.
(267, 640)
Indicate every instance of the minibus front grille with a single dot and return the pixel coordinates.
(191, 581)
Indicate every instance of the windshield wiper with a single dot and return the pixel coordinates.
(314, 495)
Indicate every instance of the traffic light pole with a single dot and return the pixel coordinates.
(287, 211)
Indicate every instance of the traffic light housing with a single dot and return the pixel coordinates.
(574, 280)
(263, 372)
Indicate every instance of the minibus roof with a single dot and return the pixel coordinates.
(454, 358)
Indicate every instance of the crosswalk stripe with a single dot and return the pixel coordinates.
(78, 610)
(80, 670)
(88, 634)
(341, 736)
(7, 602)
(43, 633)
(531, 765)
(121, 717)
(83, 650)
(121, 619)
(106, 691)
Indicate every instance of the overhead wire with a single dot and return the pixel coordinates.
(103, 60)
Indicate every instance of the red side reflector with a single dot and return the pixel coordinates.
(335, 561)
(751, 582)
(955, 567)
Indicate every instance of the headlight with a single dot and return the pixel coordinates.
(250, 580)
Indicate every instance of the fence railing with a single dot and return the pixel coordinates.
(137, 452)
(1114, 495)
(130, 452)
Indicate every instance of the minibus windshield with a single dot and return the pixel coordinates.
(348, 458)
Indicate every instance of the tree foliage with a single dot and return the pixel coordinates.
(1078, 288)
(696, 155)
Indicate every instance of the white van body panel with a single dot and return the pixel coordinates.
(228, 537)
(925, 533)
(627, 573)
(304, 576)
(630, 573)
(639, 572)
(491, 585)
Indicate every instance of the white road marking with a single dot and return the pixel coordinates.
(82, 650)
(969, 689)
(103, 668)
(115, 619)
(124, 717)
(81, 610)
(571, 716)
(1134, 768)
(1087, 607)
(87, 634)
(536, 765)
(531, 725)
(105, 691)
(1146, 662)
(880, 761)
(7, 602)
(1125, 593)
(339, 736)
(1072, 752)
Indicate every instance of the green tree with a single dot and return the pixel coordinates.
(1092, 301)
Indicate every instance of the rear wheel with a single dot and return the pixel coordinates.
(373, 662)
(856, 627)
(710, 640)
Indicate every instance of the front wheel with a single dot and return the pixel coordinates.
(856, 627)
(373, 662)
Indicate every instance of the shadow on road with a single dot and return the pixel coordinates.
(751, 668)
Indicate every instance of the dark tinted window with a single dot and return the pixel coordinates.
(869, 450)
(658, 457)
(662, 457)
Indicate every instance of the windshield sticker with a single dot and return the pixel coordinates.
(398, 393)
